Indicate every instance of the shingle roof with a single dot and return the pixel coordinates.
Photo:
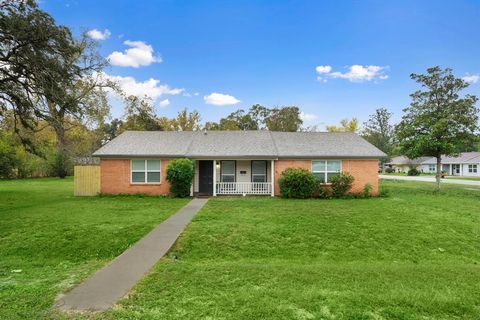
(239, 144)
(406, 161)
(465, 157)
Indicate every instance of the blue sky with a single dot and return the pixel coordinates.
(278, 52)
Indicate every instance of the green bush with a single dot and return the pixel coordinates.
(341, 184)
(180, 174)
(389, 170)
(413, 172)
(322, 191)
(297, 183)
(367, 190)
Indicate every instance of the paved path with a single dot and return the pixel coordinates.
(432, 179)
(112, 282)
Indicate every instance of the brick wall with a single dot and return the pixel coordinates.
(115, 179)
(364, 171)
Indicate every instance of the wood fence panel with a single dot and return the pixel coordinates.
(87, 180)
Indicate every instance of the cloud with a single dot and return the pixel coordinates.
(220, 99)
(308, 117)
(471, 78)
(139, 54)
(99, 35)
(150, 88)
(355, 73)
(164, 103)
(323, 69)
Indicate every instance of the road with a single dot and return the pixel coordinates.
(431, 179)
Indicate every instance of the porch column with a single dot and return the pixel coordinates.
(214, 178)
(272, 174)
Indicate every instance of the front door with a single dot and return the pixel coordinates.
(455, 169)
(205, 177)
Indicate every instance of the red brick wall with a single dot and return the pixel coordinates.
(115, 179)
(364, 171)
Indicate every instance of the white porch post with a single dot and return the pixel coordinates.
(214, 178)
(272, 174)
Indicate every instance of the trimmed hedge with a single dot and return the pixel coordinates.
(180, 174)
(297, 183)
(341, 184)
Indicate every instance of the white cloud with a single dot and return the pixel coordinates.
(150, 88)
(220, 99)
(471, 78)
(99, 35)
(196, 94)
(355, 73)
(139, 54)
(308, 117)
(164, 103)
(323, 69)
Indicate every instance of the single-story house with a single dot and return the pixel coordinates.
(403, 164)
(233, 162)
(465, 164)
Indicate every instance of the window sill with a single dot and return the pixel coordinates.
(145, 183)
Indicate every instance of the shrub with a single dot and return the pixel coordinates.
(413, 172)
(389, 170)
(341, 184)
(322, 191)
(297, 183)
(180, 174)
(367, 190)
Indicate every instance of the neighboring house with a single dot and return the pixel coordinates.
(403, 164)
(466, 164)
(233, 162)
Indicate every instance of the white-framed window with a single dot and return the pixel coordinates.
(324, 170)
(145, 171)
(432, 168)
(472, 168)
(227, 171)
(259, 171)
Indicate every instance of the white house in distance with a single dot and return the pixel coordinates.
(466, 164)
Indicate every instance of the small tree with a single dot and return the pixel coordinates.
(438, 120)
(297, 183)
(180, 174)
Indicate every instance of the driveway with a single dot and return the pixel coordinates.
(431, 179)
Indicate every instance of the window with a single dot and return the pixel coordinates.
(431, 168)
(324, 170)
(472, 168)
(259, 171)
(227, 171)
(145, 171)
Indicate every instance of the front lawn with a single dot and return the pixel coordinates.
(414, 255)
(50, 240)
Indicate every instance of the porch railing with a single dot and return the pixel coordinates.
(244, 188)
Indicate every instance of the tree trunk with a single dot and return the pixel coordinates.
(438, 174)
(61, 158)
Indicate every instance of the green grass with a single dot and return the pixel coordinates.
(50, 240)
(463, 178)
(413, 255)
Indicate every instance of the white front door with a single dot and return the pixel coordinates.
(455, 169)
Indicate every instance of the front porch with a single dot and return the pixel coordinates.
(234, 177)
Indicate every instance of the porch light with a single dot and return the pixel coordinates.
(217, 164)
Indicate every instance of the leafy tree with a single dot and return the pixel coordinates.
(185, 121)
(259, 114)
(8, 159)
(284, 119)
(378, 130)
(140, 115)
(111, 130)
(438, 119)
(46, 73)
(180, 174)
(345, 126)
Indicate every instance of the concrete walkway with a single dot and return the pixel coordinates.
(112, 282)
(431, 179)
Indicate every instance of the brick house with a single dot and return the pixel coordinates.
(233, 162)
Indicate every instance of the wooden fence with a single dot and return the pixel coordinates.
(87, 180)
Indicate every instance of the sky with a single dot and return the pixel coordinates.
(333, 59)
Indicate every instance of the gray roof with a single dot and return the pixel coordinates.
(402, 160)
(239, 144)
(464, 157)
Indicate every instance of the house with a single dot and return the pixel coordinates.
(465, 164)
(403, 164)
(233, 162)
